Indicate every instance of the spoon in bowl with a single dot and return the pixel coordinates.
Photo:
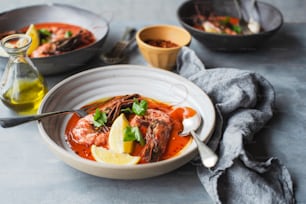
(253, 24)
(248, 8)
(208, 157)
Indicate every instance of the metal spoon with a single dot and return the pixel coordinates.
(254, 25)
(251, 26)
(208, 157)
(118, 53)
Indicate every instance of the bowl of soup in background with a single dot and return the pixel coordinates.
(160, 44)
(104, 82)
(271, 20)
(58, 13)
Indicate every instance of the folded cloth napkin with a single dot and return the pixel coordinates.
(244, 103)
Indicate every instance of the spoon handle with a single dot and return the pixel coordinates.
(208, 157)
(14, 121)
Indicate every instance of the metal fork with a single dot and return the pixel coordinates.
(117, 53)
(14, 121)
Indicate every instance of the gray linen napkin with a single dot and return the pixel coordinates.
(244, 102)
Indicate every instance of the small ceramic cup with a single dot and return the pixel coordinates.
(162, 57)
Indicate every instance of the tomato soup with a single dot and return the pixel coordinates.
(159, 111)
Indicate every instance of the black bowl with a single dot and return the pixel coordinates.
(271, 22)
(21, 17)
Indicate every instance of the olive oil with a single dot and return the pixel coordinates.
(25, 96)
(22, 87)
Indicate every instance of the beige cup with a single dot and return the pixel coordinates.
(159, 57)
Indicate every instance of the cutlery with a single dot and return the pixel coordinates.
(252, 25)
(208, 157)
(118, 53)
(14, 121)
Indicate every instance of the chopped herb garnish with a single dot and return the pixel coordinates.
(45, 35)
(138, 107)
(225, 21)
(44, 32)
(100, 118)
(237, 28)
(43, 41)
(68, 34)
(133, 134)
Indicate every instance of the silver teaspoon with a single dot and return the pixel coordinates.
(208, 157)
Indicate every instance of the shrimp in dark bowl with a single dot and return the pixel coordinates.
(56, 38)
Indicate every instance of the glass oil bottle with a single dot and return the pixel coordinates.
(22, 87)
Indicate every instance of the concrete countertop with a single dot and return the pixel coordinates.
(30, 173)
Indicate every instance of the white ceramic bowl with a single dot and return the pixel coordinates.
(88, 86)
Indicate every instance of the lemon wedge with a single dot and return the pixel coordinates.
(101, 154)
(116, 134)
(33, 33)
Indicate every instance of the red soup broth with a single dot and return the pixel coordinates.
(176, 143)
(58, 31)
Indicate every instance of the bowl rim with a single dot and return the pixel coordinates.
(265, 32)
(140, 41)
(73, 157)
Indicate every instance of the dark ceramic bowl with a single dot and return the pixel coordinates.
(271, 22)
(21, 17)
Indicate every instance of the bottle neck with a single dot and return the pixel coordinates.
(17, 44)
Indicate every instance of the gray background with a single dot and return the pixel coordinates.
(30, 173)
(154, 10)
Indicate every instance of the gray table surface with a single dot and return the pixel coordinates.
(30, 173)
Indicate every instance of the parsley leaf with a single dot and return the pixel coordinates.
(140, 108)
(100, 118)
(68, 34)
(44, 35)
(237, 29)
(133, 134)
(44, 32)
